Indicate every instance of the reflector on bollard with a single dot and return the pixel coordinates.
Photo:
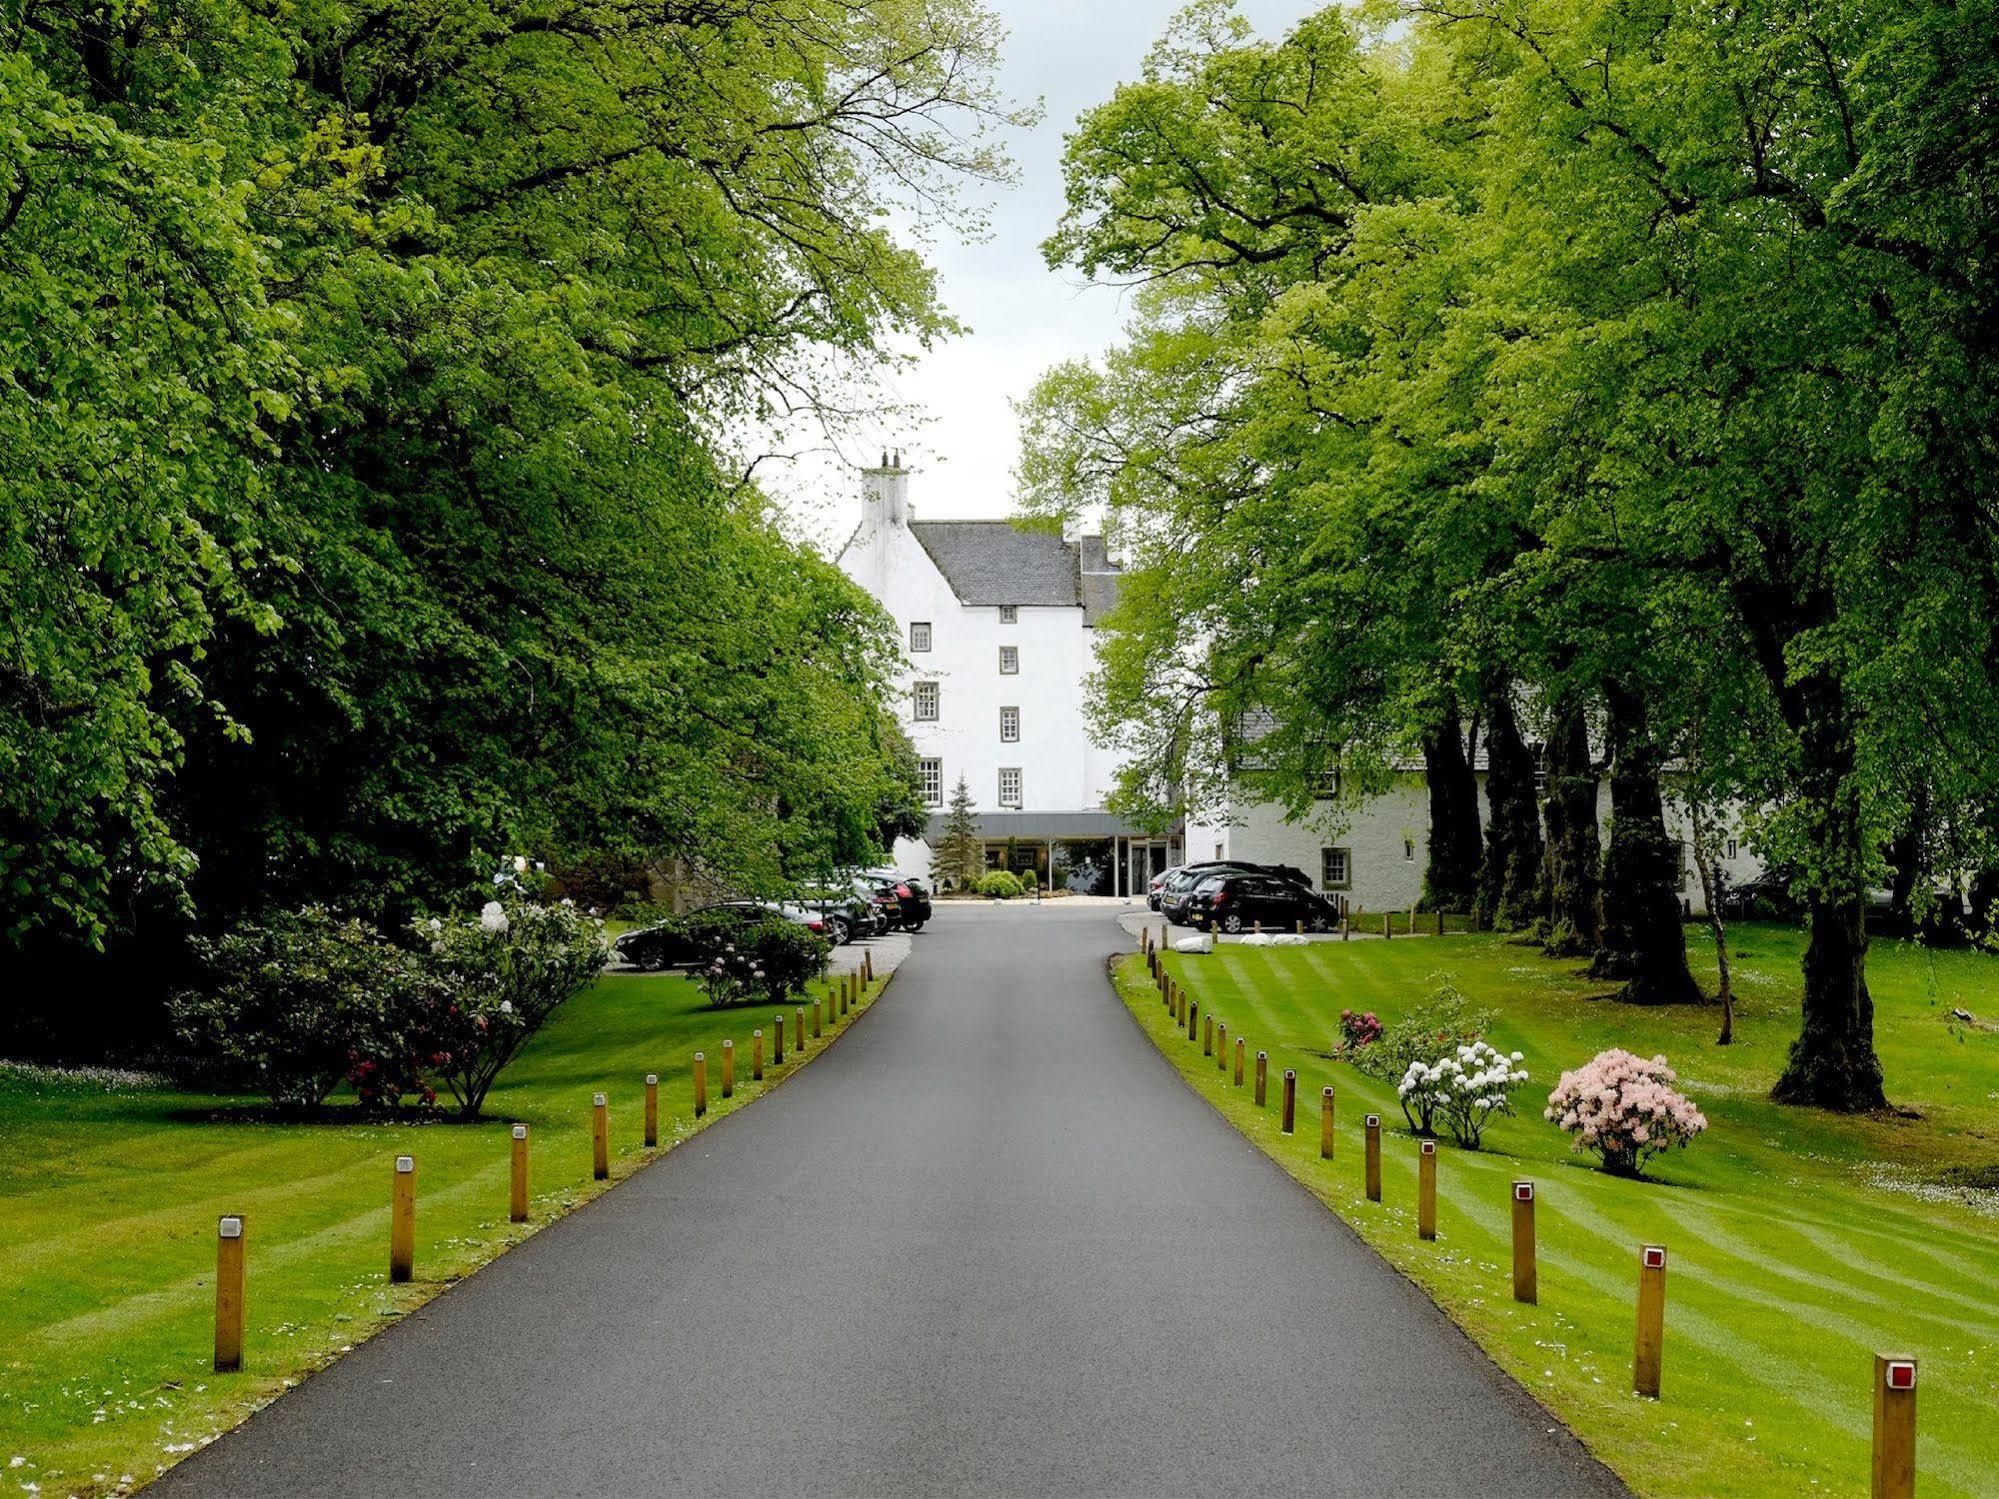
(1901, 1374)
(1655, 1257)
(1523, 1191)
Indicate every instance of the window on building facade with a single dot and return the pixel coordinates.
(931, 773)
(1009, 726)
(1009, 786)
(1731, 848)
(1009, 659)
(1009, 614)
(919, 635)
(926, 702)
(1335, 869)
(1329, 786)
(1409, 849)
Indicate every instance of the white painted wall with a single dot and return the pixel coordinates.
(1061, 769)
(1388, 844)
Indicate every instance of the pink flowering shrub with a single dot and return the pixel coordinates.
(1623, 1108)
(1357, 1031)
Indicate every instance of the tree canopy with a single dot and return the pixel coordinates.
(380, 390)
(1625, 372)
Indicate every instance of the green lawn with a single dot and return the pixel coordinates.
(109, 1197)
(1800, 1243)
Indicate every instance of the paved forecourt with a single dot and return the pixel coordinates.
(987, 1243)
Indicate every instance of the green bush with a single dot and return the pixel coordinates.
(302, 1002)
(1000, 883)
(771, 961)
(1425, 1031)
(496, 980)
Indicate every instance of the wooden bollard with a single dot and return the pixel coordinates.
(1526, 1279)
(799, 1036)
(1346, 927)
(1387, 926)
(1208, 1037)
(1426, 1190)
(1262, 1077)
(1440, 921)
(728, 1068)
(1257, 926)
(600, 1137)
(1221, 1046)
(815, 1020)
(1301, 928)
(402, 1219)
(700, 1084)
(1193, 1020)
(1326, 1124)
(1650, 1348)
(1374, 1158)
(1894, 1427)
(777, 1042)
(652, 1110)
(756, 1056)
(229, 1294)
(517, 1196)
(1240, 1047)
(1290, 1118)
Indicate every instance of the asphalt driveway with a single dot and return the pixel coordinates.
(988, 1243)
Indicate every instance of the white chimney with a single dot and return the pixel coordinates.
(886, 494)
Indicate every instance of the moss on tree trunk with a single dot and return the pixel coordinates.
(1573, 852)
(1450, 882)
(1513, 881)
(1639, 936)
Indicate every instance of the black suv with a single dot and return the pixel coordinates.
(1176, 891)
(1240, 902)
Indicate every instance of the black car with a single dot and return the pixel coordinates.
(1241, 902)
(699, 935)
(1176, 891)
(903, 902)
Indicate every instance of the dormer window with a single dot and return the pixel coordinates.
(919, 635)
(1009, 614)
(1009, 660)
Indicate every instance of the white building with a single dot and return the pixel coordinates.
(997, 624)
(1373, 856)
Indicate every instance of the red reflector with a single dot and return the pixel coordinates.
(1901, 1374)
(1655, 1257)
(1524, 1191)
(1429, 1147)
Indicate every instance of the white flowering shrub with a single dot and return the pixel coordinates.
(1465, 1089)
(1624, 1108)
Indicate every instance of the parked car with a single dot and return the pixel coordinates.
(848, 902)
(1176, 888)
(903, 901)
(1240, 902)
(693, 939)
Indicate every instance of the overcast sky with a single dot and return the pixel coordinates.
(1023, 317)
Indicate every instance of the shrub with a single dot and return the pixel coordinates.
(1356, 1031)
(1466, 1087)
(1425, 1031)
(1001, 883)
(1624, 1108)
(497, 980)
(773, 960)
(304, 1001)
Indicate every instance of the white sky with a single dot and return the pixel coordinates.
(1022, 317)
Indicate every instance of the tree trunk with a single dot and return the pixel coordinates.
(1906, 867)
(1572, 841)
(1450, 883)
(1716, 919)
(1513, 883)
(1640, 939)
(1832, 1063)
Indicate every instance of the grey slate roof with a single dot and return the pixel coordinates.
(996, 562)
